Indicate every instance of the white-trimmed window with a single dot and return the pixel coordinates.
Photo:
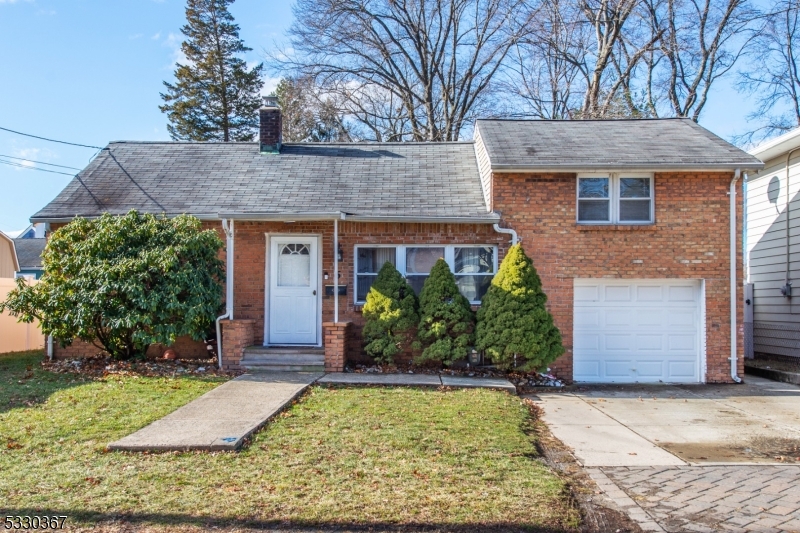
(474, 266)
(615, 199)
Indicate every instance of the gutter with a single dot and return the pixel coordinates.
(228, 229)
(500, 168)
(787, 288)
(732, 194)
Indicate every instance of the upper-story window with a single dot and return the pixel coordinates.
(615, 199)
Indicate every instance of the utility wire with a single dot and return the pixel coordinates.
(38, 162)
(17, 165)
(50, 140)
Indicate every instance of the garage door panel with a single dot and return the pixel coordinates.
(617, 294)
(618, 317)
(682, 343)
(587, 293)
(650, 342)
(637, 330)
(682, 317)
(616, 368)
(648, 317)
(649, 294)
(650, 369)
(682, 293)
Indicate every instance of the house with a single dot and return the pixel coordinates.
(633, 226)
(772, 245)
(9, 264)
(29, 255)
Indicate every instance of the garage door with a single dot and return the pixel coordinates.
(628, 331)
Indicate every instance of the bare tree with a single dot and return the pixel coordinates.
(544, 73)
(406, 69)
(773, 77)
(309, 115)
(701, 42)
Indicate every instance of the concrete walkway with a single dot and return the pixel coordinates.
(417, 380)
(222, 418)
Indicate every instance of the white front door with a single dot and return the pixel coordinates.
(293, 286)
(637, 330)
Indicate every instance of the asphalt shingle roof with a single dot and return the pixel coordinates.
(387, 179)
(29, 252)
(609, 144)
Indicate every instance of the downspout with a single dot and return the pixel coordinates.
(734, 307)
(508, 231)
(50, 347)
(228, 229)
(335, 270)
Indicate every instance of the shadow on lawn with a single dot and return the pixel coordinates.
(126, 520)
(23, 382)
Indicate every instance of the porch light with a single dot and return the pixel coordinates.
(340, 253)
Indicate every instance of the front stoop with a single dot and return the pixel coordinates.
(283, 359)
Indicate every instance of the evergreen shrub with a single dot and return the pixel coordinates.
(391, 315)
(514, 327)
(446, 330)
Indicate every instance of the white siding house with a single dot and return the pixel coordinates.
(772, 247)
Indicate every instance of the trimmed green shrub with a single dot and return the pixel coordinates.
(447, 324)
(514, 326)
(125, 282)
(391, 314)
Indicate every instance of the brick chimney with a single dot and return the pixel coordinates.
(270, 126)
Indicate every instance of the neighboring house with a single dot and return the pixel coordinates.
(773, 247)
(29, 255)
(628, 222)
(9, 264)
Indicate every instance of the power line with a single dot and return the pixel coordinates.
(38, 162)
(50, 140)
(17, 165)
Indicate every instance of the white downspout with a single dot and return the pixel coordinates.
(50, 347)
(335, 270)
(508, 231)
(228, 229)
(734, 307)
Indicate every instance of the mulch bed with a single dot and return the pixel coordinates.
(101, 366)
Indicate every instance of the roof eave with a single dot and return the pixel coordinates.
(507, 169)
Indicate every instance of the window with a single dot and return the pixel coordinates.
(368, 263)
(615, 199)
(473, 266)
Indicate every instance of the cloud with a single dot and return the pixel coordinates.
(270, 84)
(174, 41)
(135, 36)
(13, 1)
(156, 36)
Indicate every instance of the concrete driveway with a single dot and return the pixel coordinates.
(666, 425)
(688, 458)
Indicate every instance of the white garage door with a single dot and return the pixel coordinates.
(628, 331)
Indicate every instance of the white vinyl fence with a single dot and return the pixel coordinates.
(16, 336)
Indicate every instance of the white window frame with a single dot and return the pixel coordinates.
(400, 260)
(614, 198)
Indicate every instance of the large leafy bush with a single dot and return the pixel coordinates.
(514, 326)
(447, 323)
(125, 282)
(391, 314)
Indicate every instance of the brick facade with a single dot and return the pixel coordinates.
(336, 336)
(236, 336)
(690, 239)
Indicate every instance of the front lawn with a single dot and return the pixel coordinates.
(339, 457)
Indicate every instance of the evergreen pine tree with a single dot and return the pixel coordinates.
(391, 314)
(215, 97)
(513, 322)
(447, 323)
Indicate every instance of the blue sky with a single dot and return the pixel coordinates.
(90, 71)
